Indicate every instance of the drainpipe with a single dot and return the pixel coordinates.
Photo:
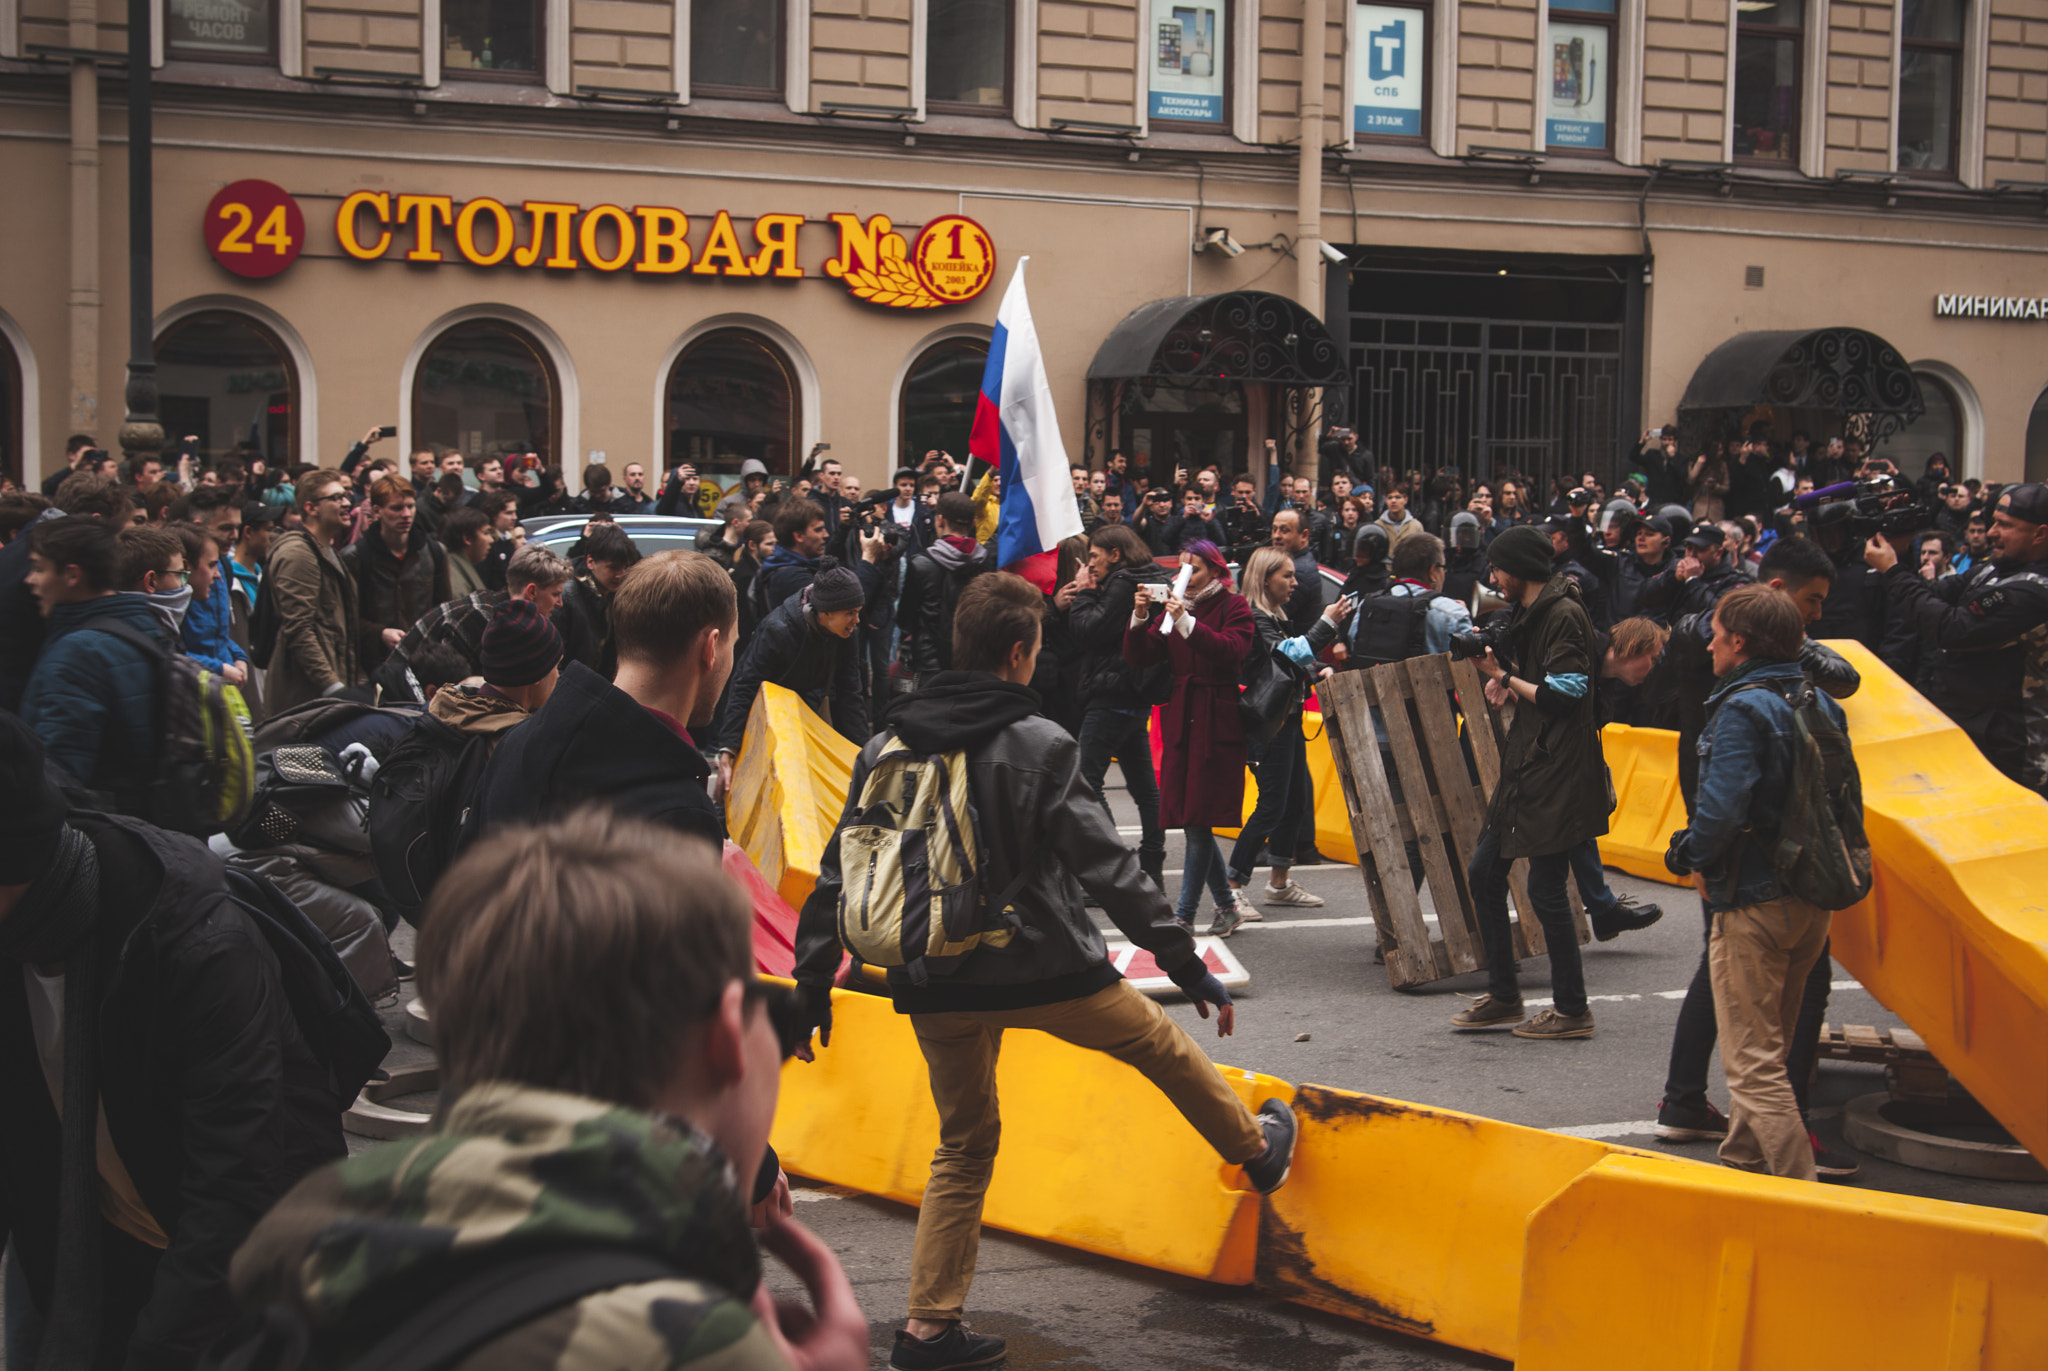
(1308, 257)
(141, 435)
(84, 301)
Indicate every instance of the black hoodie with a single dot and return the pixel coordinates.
(1032, 811)
(593, 741)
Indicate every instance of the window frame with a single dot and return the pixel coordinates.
(294, 384)
(905, 458)
(792, 381)
(173, 53)
(526, 339)
(1427, 10)
(537, 77)
(1007, 109)
(719, 90)
(1226, 34)
(1958, 51)
(1799, 38)
(1609, 20)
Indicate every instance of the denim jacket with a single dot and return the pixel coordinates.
(1745, 770)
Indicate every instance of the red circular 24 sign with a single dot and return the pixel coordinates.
(254, 228)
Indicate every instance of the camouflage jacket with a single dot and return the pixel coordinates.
(354, 1243)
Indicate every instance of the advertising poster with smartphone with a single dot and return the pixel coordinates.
(1387, 61)
(1187, 61)
(1576, 115)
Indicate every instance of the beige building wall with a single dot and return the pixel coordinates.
(1087, 62)
(625, 44)
(1858, 110)
(366, 35)
(1685, 75)
(1279, 83)
(860, 53)
(2016, 89)
(1497, 73)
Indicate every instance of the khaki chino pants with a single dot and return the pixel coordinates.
(961, 1050)
(1758, 959)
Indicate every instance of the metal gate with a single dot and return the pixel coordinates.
(1484, 395)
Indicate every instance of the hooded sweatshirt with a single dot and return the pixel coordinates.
(1032, 812)
(360, 1244)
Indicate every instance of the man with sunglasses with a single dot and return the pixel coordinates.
(318, 626)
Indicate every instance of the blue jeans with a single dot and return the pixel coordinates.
(1488, 875)
(1118, 733)
(1281, 766)
(1204, 864)
(1592, 879)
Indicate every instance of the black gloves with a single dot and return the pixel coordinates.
(1674, 860)
(1194, 977)
(816, 1014)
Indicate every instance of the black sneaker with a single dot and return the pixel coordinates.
(954, 1347)
(401, 968)
(1268, 1171)
(1690, 1122)
(1308, 856)
(1628, 916)
(1831, 1166)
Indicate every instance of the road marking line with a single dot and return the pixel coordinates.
(1644, 1127)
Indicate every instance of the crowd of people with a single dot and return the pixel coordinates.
(471, 700)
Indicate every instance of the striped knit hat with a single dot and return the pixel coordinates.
(520, 646)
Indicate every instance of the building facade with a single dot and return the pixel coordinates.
(706, 230)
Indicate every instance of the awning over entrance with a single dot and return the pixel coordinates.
(1247, 335)
(1840, 370)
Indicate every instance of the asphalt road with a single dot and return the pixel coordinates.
(1312, 973)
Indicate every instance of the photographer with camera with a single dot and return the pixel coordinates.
(1552, 794)
(1990, 674)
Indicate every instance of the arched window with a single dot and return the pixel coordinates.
(1940, 430)
(226, 382)
(936, 407)
(732, 396)
(487, 386)
(12, 459)
(2037, 439)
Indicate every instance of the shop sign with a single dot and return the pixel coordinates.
(1990, 307)
(254, 229)
(952, 261)
(1576, 110)
(1187, 61)
(1387, 63)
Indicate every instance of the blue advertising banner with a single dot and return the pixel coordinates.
(1575, 114)
(1187, 60)
(1388, 59)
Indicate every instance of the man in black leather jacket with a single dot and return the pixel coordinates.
(1695, 582)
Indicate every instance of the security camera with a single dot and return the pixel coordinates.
(1220, 239)
(1330, 254)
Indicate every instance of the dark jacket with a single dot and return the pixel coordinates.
(1670, 599)
(783, 574)
(1201, 773)
(92, 699)
(393, 592)
(593, 742)
(316, 616)
(584, 619)
(21, 621)
(1553, 786)
(711, 542)
(1153, 531)
(1246, 529)
(1033, 811)
(1745, 771)
(1183, 529)
(1631, 574)
(212, 1098)
(932, 582)
(1096, 621)
(791, 650)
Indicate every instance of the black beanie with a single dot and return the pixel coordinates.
(520, 646)
(1522, 552)
(836, 588)
(31, 810)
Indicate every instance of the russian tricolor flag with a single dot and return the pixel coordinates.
(1016, 431)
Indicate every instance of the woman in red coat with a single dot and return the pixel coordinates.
(1201, 774)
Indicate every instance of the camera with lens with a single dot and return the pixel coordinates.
(1475, 644)
(1881, 504)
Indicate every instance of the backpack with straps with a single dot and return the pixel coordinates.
(911, 866)
(419, 806)
(1822, 854)
(205, 778)
(1388, 628)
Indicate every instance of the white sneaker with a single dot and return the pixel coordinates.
(1292, 894)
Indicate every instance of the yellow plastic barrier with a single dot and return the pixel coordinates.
(1136, 1183)
(1649, 807)
(1954, 938)
(1645, 1261)
(1411, 1217)
(787, 790)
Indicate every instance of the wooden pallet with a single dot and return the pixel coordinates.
(1910, 1069)
(1443, 811)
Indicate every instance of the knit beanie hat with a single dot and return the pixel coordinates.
(31, 810)
(836, 588)
(520, 646)
(1522, 552)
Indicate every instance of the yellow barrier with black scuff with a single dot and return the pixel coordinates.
(1134, 1181)
(1645, 1260)
(788, 788)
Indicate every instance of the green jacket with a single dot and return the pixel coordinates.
(353, 1243)
(1553, 792)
